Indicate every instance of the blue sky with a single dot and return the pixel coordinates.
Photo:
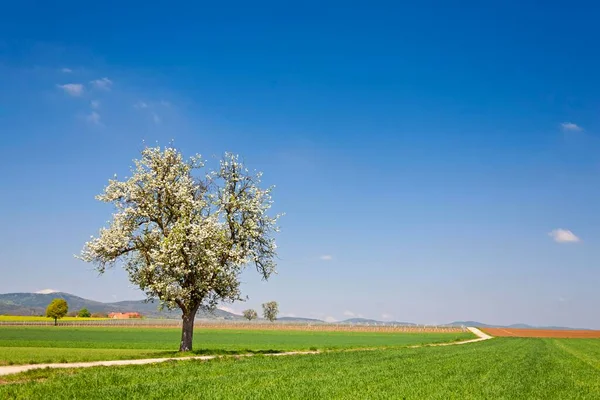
(435, 163)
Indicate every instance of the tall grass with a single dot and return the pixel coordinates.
(494, 369)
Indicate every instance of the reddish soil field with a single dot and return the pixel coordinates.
(542, 333)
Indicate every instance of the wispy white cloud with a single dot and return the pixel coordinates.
(73, 89)
(570, 127)
(563, 236)
(93, 118)
(329, 319)
(326, 257)
(562, 299)
(95, 104)
(387, 316)
(66, 70)
(140, 105)
(165, 103)
(102, 83)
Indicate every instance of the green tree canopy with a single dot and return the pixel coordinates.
(84, 313)
(57, 309)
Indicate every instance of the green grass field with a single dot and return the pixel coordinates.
(29, 345)
(502, 368)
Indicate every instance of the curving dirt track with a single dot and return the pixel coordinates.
(542, 333)
(15, 369)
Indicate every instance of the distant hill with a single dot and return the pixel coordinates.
(515, 326)
(474, 324)
(525, 326)
(36, 303)
(359, 321)
(374, 322)
(299, 319)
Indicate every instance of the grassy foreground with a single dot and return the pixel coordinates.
(504, 368)
(30, 345)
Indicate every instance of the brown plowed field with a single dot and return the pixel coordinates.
(542, 333)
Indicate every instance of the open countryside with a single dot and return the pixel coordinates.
(29, 345)
(300, 200)
(383, 361)
(499, 368)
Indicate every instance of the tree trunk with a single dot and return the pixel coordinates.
(55, 321)
(187, 331)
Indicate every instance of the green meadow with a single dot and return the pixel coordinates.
(30, 345)
(502, 368)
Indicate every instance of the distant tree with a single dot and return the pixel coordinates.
(185, 238)
(99, 315)
(270, 310)
(84, 313)
(250, 314)
(57, 309)
(72, 313)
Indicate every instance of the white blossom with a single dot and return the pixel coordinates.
(184, 239)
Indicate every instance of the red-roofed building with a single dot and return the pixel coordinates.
(126, 315)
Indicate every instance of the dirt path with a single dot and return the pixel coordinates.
(15, 369)
(480, 336)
